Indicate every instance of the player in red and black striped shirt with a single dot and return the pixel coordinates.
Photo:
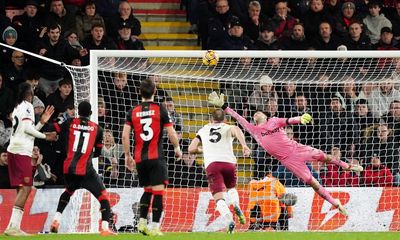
(83, 139)
(147, 121)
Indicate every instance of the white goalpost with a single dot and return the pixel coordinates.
(353, 96)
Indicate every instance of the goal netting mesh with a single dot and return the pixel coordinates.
(354, 100)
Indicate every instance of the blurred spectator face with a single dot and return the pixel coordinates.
(236, 31)
(254, 11)
(57, 7)
(272, 106)
(349, 85)
(289, 133)
(367, 88)
(355, 30)
(325, 30)
(10, 40)
(274, 62)
(395, 109)
(125, 33)
(362, 109)
(348, 12)
(290, 88)
(101, 109)
(387, 86)
(170, 106)
(259, 117)
(38, 110)
(3, 159)
(301, 102)
(298, 32)
(18, 59)
(374, 10)
(376, 161)
(35, 152)
(72, 38)
(97, 33)
(120, 80)
(54, 35)
(354, 161)
(267, 35)
(108, 138)
(266, 88)
(387, 37)
(335, 151)
(316, 5)
(222, 6)
(65, 90)
(30, 10)
(336, 106)
(125, 9)
(76, 62)
(383, 132)
(156, 79)
(398, 8)
(33, 82)
(70, 112)
(90, 10)
(281, 9)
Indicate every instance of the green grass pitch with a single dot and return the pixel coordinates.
(223, 236)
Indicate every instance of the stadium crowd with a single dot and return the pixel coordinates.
(356, 122)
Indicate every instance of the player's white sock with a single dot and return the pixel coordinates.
(104, 225)
(154, 225)
(57, 217)
(16, 217)
(233, 197)
(223, 209)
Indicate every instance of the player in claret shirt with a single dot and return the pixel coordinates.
(147, 121)
(83, 139)
(269, 134)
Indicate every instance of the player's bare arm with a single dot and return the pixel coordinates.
(239, 135)
(173, 137)
(194, 146)
(48, 112)
(126, 135)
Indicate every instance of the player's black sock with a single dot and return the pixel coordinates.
(157, 207)
(144, 204)
(64, 200)
(105, 210)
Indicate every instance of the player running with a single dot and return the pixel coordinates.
(269, 134)
(216, 139)
(147, 121)
(83, 140)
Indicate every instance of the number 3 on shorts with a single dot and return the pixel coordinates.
(147, 133)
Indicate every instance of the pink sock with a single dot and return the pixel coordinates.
(325, 195)
(340, 163)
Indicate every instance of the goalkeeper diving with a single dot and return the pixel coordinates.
(269, 134)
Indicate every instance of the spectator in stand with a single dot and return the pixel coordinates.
(59, 15)
(252, 22)
(345, 18)
(54, 47)
(4, 178)
(125, 40)
(125, 14)
(219, 24)
(38, 108)
(297, 40)
(362, 119)
(176, 118)
(329, 173)
(350, 178)
(386, 41)
(348, 93)
(33, 79)
(298, 8)
(102, 114)
(86, 18)
(282, 22)
(107, 8)
(394, 18)
(377, 174)
(67, 114)
(96, 41)
(259, 98)
(61, 98)
(272, 108)
(326, 39)
(356, 39)
(9, 37)
(111, 155)
(6, 129)
(392, 119)
(6, 97)
(29, 24)
(366, 90)
(381, 97)
(375, 21)
(314, 17)
(161, 94)
(235, 39)
(17, 72)
(302, 133)
(267, 39)
(287, 97)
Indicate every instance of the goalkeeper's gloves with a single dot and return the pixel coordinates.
(306, 118)
(217, 101)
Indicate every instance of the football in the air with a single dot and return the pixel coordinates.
(210, 58)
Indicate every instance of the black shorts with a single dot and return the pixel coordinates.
(91, 182)
(152, 172)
